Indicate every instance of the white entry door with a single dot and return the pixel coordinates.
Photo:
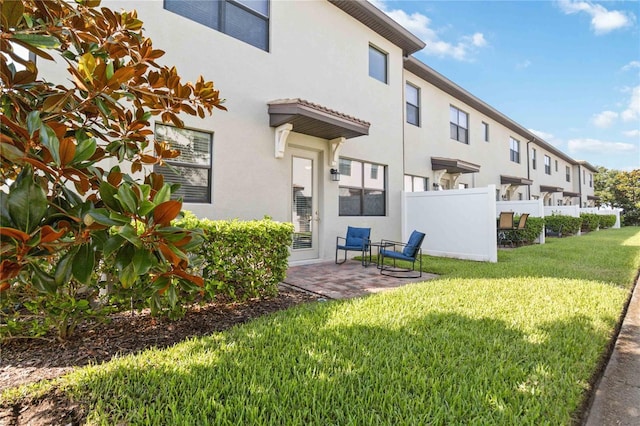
(304, 205)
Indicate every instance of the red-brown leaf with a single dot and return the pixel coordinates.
(165, 212)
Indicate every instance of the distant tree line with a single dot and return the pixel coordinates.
(620, 189)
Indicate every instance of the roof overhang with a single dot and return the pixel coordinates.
(514, 180)
(587, 165)
(570, 194)
(593, 197)
(545, 188)
(453, 165)
(381, 23)
(315, 120)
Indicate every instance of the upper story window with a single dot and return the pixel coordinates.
(584, 176)
(459, 123)
(547, 164)
(415, 183)
(590, 180)
(568, 173)
(377, 64)
(485, 131)
(556, 165)
(534, 158)
(362, 188)
(192, 169)
(412, 95)
(514, 150)
(246, 20)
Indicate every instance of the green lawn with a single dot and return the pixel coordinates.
(515, 342)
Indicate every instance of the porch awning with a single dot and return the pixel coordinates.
(570, 194)
(544, 188)
(593, 197)
(514, 180)
(315, 120)
(453, 165)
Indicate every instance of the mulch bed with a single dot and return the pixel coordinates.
(29, 361)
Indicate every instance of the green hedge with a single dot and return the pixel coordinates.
(570, 225)
(607, 220)
(532, 229)
(242, 259)
(590, 221)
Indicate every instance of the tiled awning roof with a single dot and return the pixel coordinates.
(570, 194)
(315, 120)
(453, 165)
(514, 180)
(545, 188)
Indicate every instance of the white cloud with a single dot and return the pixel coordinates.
(596, 145)
(633, 110)
(602, 20)
(632, 133)
(524, 64)
(547, 137)
(604, 119)
(631, 65)
(420, 25)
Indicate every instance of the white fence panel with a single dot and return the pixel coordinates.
(562, 210)
(603, 212)
(457, 223)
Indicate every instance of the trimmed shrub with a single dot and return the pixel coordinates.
(242, 259)
(570, 225)
(532, 229)
(607, 220)
(590, 221)
(631, 217)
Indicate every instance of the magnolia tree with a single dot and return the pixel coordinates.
(62, 212)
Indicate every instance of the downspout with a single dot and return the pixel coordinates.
(529, 169)
(580, 184)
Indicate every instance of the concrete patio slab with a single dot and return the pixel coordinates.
(344, 281)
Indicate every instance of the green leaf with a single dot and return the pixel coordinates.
(172, 295)
(102, 216)
(103, 108)
(33, 122)
(129, 233)
(114, 243)
(38, 40)
(5, 217)
(146, 207)
(143, 261)
(109, 70)
(85, 149)
(164, 194)
(108, 193)
(63, 268)
(26, 202)
(42, 281)
(10, 152)
(49, 139)
(127, 198)
(127, 276)
(83, 263)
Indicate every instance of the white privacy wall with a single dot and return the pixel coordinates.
(457, 223)
(596, 210)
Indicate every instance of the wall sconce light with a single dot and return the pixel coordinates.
(335, 175)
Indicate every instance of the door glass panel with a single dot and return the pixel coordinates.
(302, 203)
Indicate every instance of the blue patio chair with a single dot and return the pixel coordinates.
(357, 239)
(411, 251)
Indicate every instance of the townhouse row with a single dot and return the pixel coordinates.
(330, 118)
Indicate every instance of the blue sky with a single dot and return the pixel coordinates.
(567, 70)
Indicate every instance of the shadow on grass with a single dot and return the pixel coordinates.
(318, 366)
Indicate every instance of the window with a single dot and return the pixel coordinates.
(485, 131)
(362, 191)
(514, 150)
(584, 176)
(415, 183)
(556, 165)
(377, 64)
(534, 158)
(568, 173)
(192, 169)
(547, 164)
(412, 94)
(590, 180)
(459, 125)
(245, 20)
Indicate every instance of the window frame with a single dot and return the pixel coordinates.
(534, 159)
(381, 168)
(547, 165)
(514, 150)
(568, 173)
(385, 56)
(176, 163)
(485, 131)
(222, 14)
(457, 126)
(410, 105)
(413, 183)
